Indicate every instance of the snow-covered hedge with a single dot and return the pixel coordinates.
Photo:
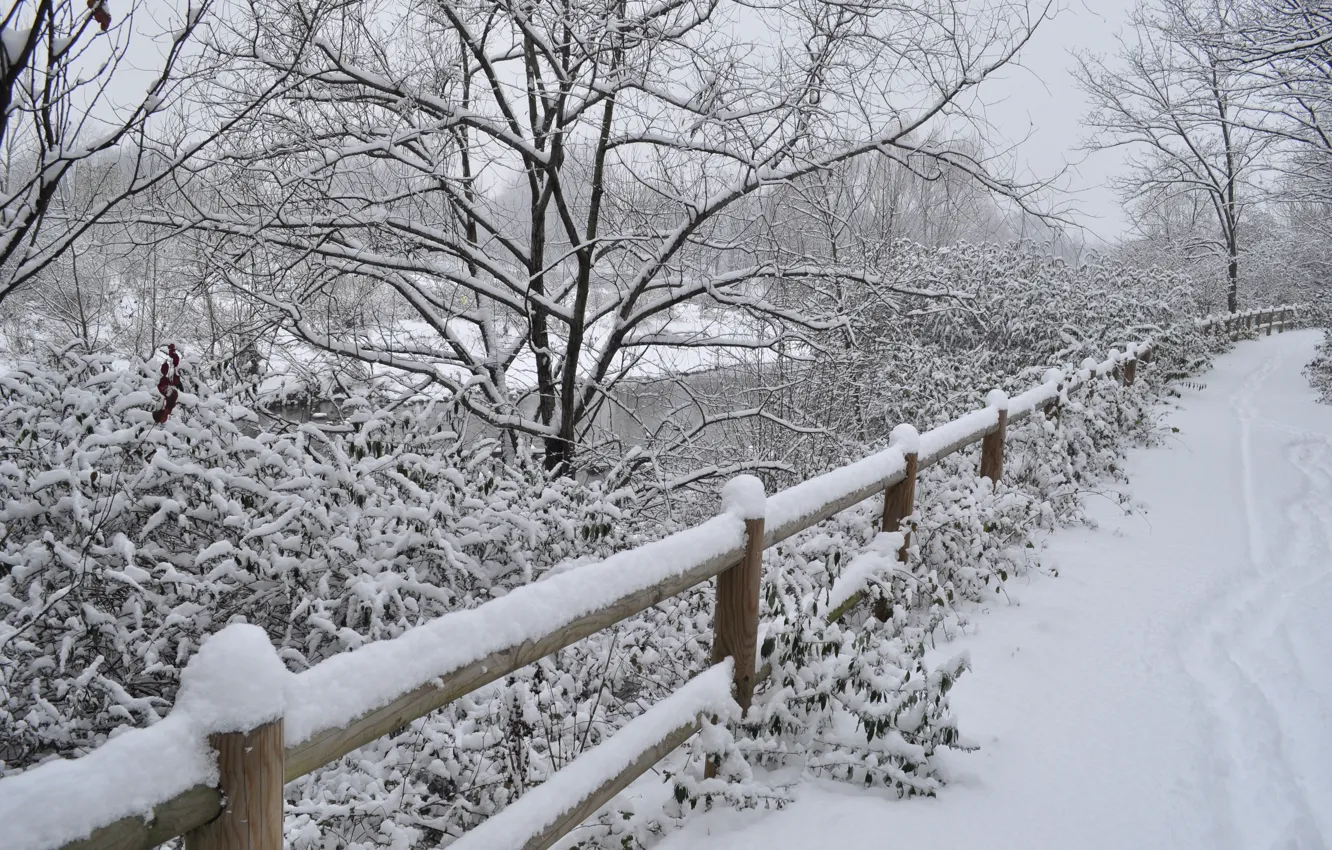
(1013, 312)
(1319, 370)
(1017, 312)
(124, 541)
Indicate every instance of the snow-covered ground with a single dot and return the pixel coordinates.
(1172, 688)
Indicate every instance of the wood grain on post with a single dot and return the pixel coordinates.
(250, 765)
(735, 620)
(899, 502)
(992, 450)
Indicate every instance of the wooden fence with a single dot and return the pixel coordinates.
(1264, 318)
(245, 807)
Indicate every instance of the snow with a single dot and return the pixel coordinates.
(1037, 396)
(342, 688)
(709, 692)
(235, 682)
(997, 398)
(808, 497)
(965, 428)
(127, 775)
(13, 40)
(906, 438)
(1171, 687)
(876, 559)
(743, 496)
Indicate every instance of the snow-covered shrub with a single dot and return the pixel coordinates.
(1005, 313)
(1319, 370)
(330, 538)
(124, 541)
(853, 697)
(854, 702)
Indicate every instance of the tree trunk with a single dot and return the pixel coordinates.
(1232, 291)
(559, 456)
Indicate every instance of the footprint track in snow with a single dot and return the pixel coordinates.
(1234, 646)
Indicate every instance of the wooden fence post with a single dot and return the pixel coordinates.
(735, 631)
(735, 616)
(1271, 319)
(899, 500)
(992, 444)
(1130, 371)
(1282, 329)
(251, 768)
(240, 679)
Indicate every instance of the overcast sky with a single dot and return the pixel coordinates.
(1039, 107)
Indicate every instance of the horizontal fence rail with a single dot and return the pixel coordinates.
(219, 783)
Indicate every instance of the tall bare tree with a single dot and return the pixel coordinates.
(63, 81)
(1285, 48)
(1179, 100)
(553, 188)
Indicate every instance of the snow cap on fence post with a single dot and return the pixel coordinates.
(905, 438)
(736, 612)
(1053, 376)
(1087, 370)
(744, 497)
(235, 682)
(997, 398)
(234, 689)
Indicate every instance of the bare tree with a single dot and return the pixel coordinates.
(551, 187)
(97, 85)
(1285, 49)
(1179, 100)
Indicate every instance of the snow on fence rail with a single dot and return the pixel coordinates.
(1264, 317)
(243, 725)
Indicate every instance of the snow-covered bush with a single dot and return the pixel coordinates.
(1004, 314)
(1319, 370)
(853, 697)
(329, 538)
(124, 541)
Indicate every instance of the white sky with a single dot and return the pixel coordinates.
(1038, 108)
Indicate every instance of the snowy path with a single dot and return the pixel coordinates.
(1172, 688)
